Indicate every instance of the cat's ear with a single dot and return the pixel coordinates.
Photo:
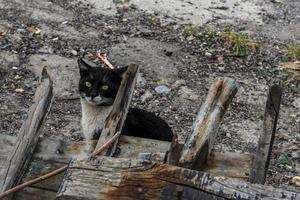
(84, 67)
(120, 72)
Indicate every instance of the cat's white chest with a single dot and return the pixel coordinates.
(93, 118)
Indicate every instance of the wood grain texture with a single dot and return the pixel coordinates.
(229, 164)
(17, 162)
(140, 178)
(116, 118)
(266, 139)
(199, 143)
(131, 147)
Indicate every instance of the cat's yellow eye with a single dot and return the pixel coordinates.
(104, 87)
(88, 84)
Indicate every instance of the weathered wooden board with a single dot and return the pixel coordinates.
(52, 153)
(123, 178)
(229, 164)
(17, 162)
(130, 146)
(267, 136)
(115, 121)
(199, 143)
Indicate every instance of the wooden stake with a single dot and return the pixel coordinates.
(28, 136)
(266, 139)
(199, 144)
(115, 120)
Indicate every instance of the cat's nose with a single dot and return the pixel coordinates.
(93, 94)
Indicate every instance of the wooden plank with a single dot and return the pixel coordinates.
(130, 146)
(229, 164)
(266, 139)
(31, 193)
(16, 164)
(124, 178)
(115, 120)
(51, 154)
(199, 143)
(55, 150)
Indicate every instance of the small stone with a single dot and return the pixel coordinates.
(73, 52)
(21, 30)
(190, 38)
(20, 90)
(17, 77)
(208, 54)
(228, 135)
(146, 96)
(162, 89)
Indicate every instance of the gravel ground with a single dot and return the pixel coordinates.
(178, 64)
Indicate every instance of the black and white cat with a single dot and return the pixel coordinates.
(98, 87)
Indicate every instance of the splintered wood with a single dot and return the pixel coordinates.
(115, 120)
(107, 178)
(199, 143)
(17, 162)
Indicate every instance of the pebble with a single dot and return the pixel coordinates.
(162, 89)
(19, 90)
(228, 135)
(208, 54)
(73, 52)
(146, 95)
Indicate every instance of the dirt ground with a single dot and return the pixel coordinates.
(158, 36)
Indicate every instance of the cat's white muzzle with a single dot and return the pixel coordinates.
(98, 100)
(95, 101)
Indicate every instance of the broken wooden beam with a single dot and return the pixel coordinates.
(266, 139)
(115, 120)
(17, 162)
(106, 178)
(199, 143)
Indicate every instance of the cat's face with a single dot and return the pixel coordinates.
(98, 85)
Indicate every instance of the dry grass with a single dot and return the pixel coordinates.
(293, 50)
(239, 43)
